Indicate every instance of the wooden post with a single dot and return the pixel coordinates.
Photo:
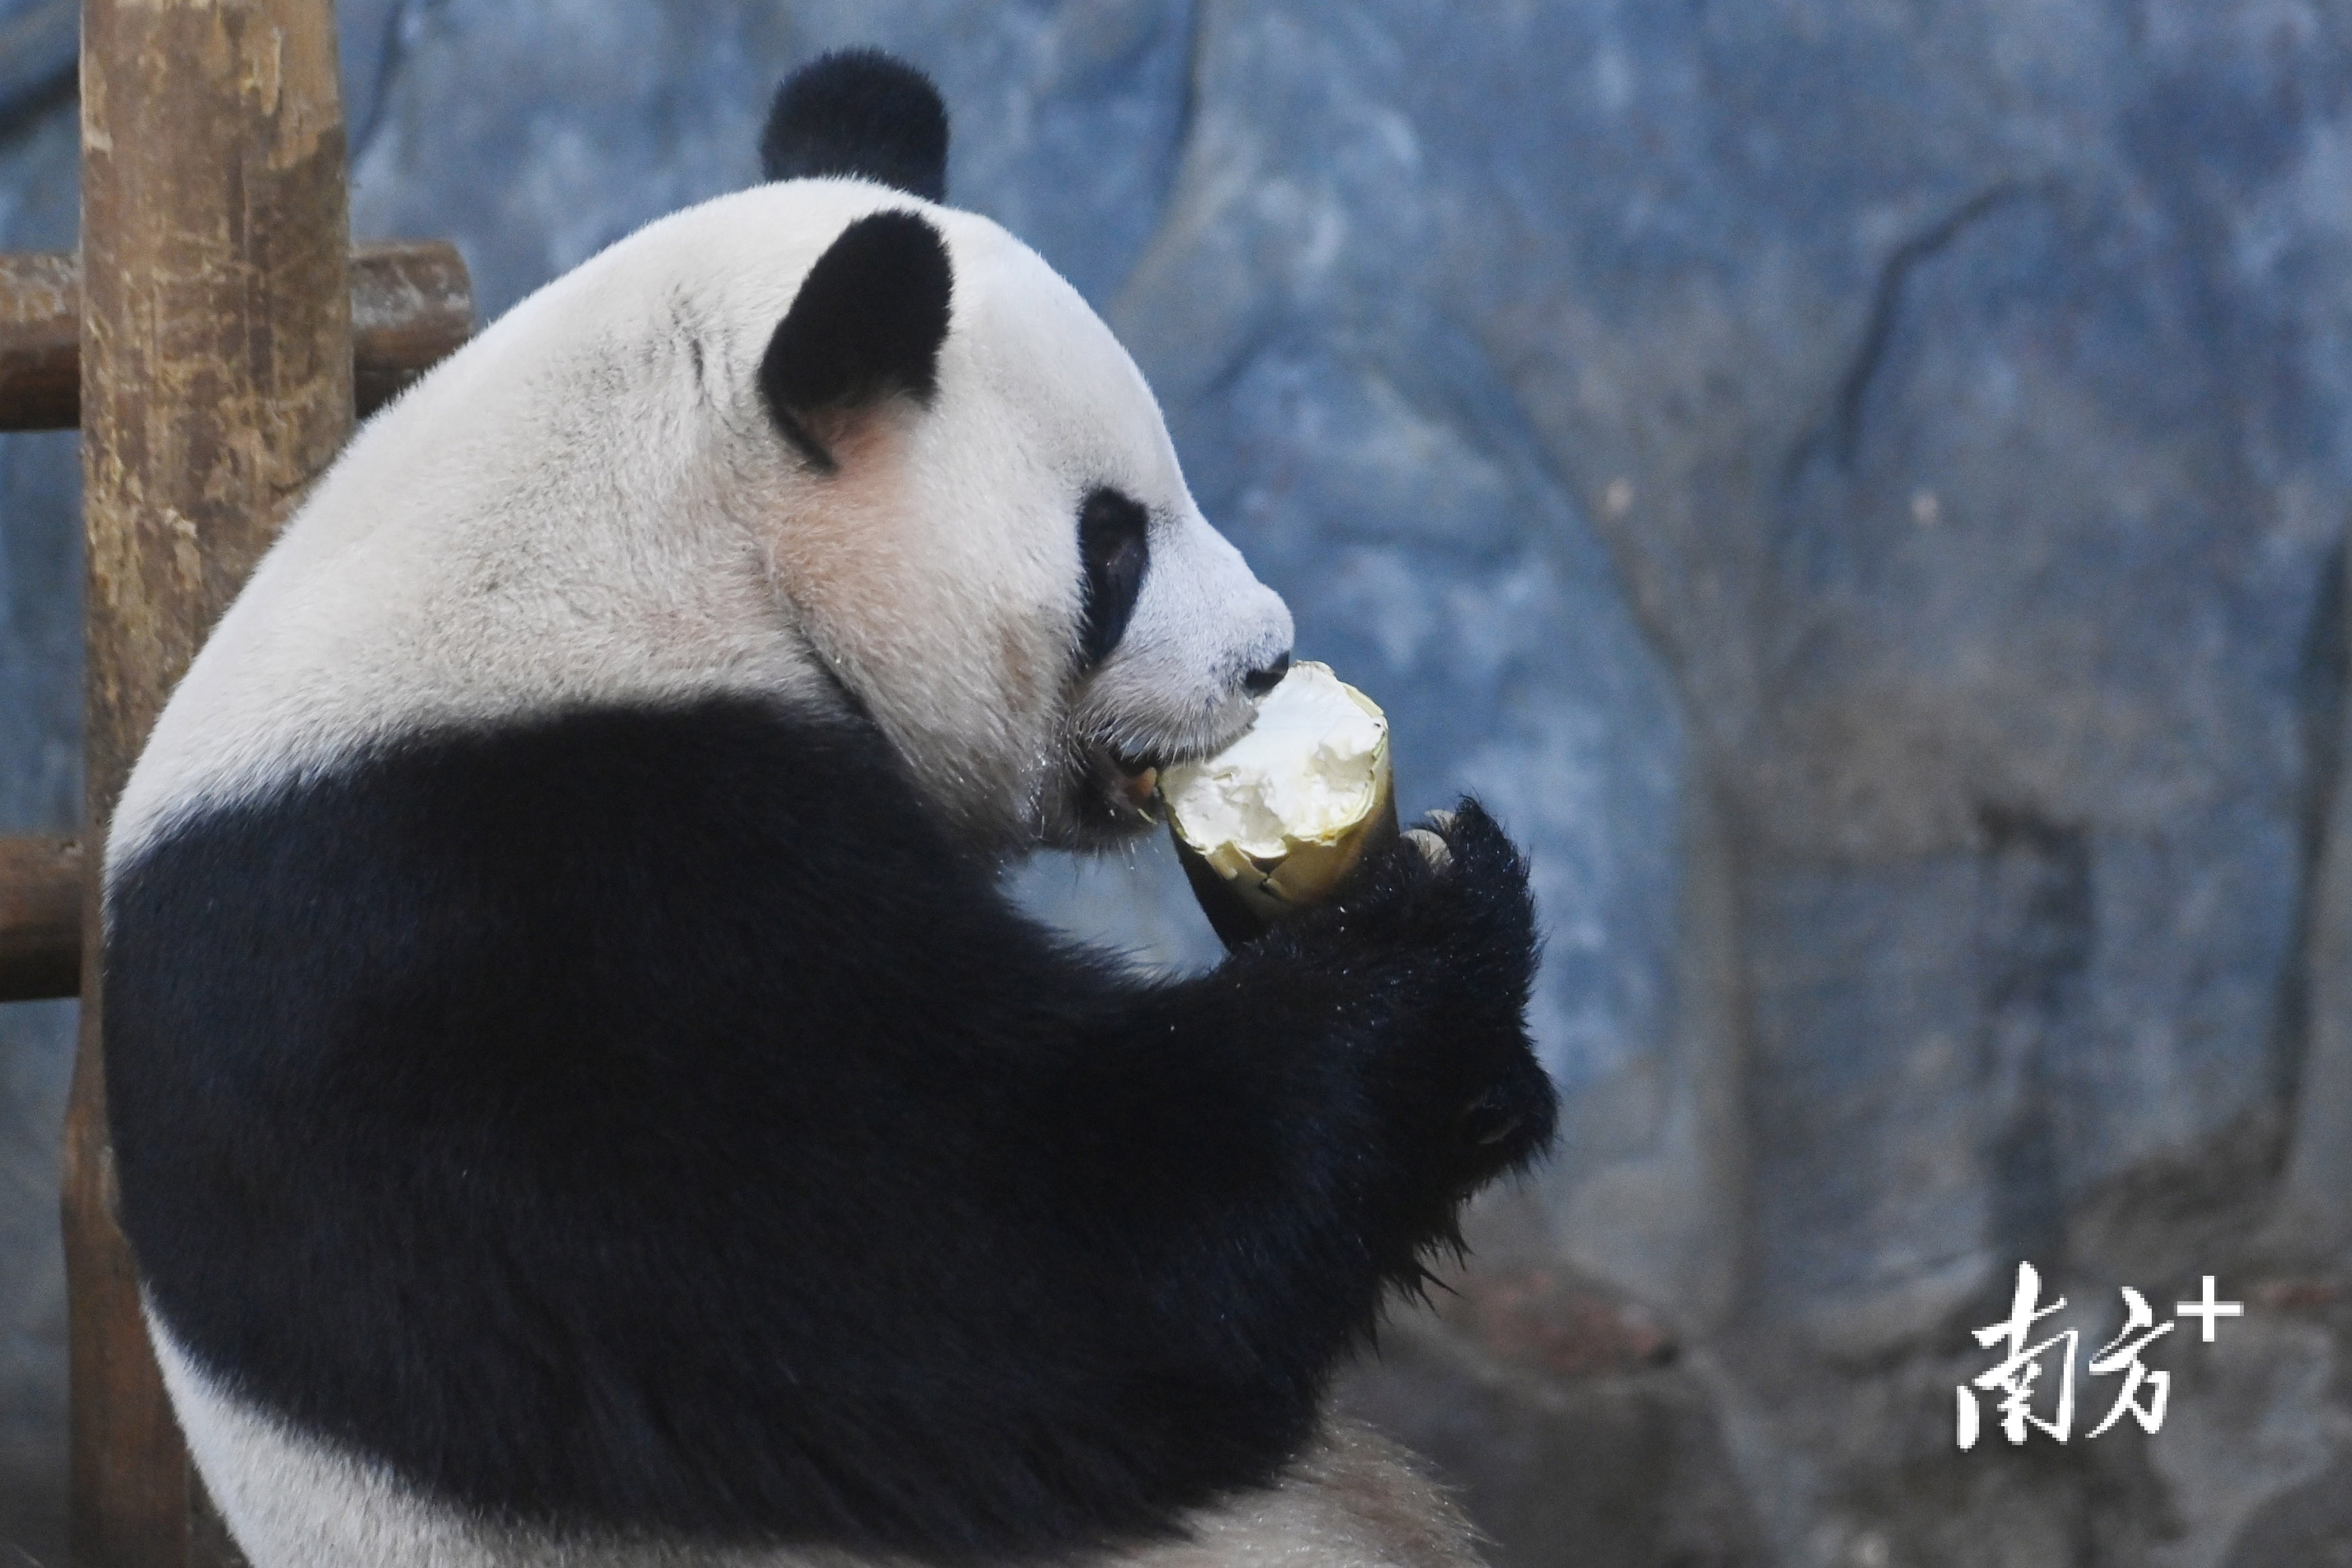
(216, 382)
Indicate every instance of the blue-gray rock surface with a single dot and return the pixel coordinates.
(1860, 486)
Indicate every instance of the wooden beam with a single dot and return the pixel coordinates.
(412, 306)
(40, 918)
(40, 342)
(215, 383)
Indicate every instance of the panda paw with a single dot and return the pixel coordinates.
(1439, 934)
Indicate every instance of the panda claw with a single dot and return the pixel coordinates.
(1432, 848)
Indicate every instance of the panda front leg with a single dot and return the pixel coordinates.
(1280, 1140)
(1252, 1157)
(1373, 1061)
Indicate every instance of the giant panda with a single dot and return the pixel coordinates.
(581, 1096)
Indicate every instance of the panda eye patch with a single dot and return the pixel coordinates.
(1114, 546)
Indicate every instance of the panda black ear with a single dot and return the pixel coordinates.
(866, 326)
(859, 112)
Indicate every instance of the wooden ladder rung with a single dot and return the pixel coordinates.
(40, 918)
(412, 306)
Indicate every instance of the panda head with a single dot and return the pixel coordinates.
(823, 442)
(968, 495)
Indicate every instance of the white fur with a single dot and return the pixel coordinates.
(1354, 1500)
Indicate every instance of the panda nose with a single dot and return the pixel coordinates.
(1257, 682)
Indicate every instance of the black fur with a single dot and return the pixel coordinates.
(1115, 549)
(859, 112)
(866, 324)
(647, 1119)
